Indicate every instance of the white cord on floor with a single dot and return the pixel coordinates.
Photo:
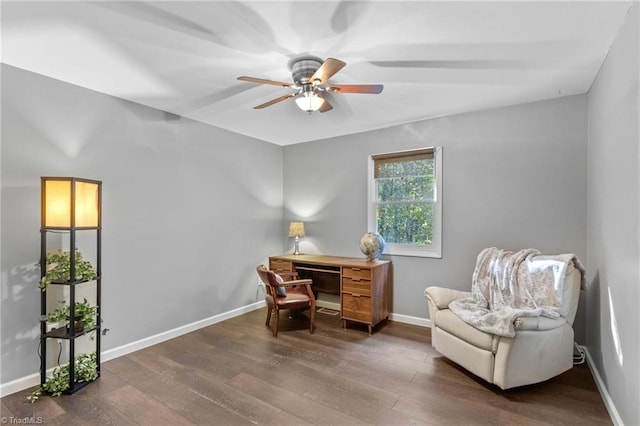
(578, 358)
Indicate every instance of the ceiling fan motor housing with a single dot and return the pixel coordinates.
(303, 69)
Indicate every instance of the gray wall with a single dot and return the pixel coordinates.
(189, 210)
(183, 200)
(513, 178)
(613, 228)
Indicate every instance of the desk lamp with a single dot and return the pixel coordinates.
(296, 229)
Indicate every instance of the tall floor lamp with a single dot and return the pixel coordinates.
(70, 205)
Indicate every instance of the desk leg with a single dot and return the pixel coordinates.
(344, 324)
(369, 329)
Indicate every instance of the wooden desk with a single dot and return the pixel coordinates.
(364, 285)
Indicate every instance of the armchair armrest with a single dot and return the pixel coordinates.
(307, 287)
(295, 283)
(288, 275)
(538, 323)
(441, 297)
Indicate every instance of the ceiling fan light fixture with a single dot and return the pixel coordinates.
(309, 101)
(310, 80)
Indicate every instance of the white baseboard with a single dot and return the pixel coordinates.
(422, 322)
(19, 384)
(608, 402)
(179, 331)
(329, 305)
(32, 380)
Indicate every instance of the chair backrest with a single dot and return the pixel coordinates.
(263, 274)
(571, 293)
(269, 279)
(267, 276)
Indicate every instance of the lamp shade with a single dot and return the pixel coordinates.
(70, 202)
(296, 229)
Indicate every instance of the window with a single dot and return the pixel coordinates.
(405, 206)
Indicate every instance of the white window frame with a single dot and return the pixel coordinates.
(433, 250)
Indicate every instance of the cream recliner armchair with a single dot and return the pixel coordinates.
(541, 349)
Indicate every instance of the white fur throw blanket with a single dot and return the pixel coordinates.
(507, 285)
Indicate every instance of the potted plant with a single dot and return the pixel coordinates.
(59, 268)
(85, 315)
(85, 370)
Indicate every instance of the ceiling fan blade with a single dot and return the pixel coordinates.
(327, 70)
(326, 106)
(355, 88)
(263, 81)
(274, 101)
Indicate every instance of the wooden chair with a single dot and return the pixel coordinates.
(297, 294)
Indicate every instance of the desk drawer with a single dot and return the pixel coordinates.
(356, 272)
(356, 286)
(278, 265)
(356, 307)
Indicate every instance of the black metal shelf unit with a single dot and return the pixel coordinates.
(70, 225)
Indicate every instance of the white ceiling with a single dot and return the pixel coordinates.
(434, 58)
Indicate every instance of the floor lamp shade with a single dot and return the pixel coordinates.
(69, 202)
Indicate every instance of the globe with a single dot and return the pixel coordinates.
(372, 245)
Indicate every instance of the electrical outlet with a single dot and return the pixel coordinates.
(52, 326)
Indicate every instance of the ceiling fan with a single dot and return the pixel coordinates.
(310, 82)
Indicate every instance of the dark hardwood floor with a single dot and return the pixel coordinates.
(236, 373)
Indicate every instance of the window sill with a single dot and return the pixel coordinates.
(413, 252)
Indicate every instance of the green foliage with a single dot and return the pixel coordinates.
(405, 195)
(85, 370)
(84, 313)
(406, 223)
(59, 268)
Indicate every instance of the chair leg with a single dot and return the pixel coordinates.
(268, 316)
(312, 318)
(277, 323)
